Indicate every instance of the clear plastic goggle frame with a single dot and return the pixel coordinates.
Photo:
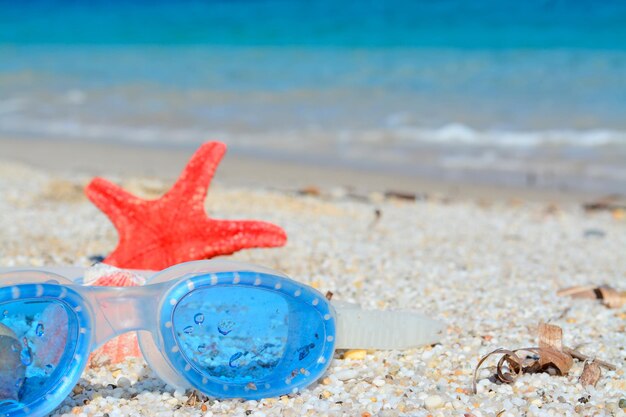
(229, 330)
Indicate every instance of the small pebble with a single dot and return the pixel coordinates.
(433, 402)
(355, 354)
(589, 233)
(378, 382)
(346, 374)
(123, 382)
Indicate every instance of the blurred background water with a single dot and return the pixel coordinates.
(511, 93)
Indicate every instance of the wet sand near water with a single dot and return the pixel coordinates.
(240, 168)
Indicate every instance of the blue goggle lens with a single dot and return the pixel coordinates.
(239, 335)
(34, 337)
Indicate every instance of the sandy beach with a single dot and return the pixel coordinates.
(490, 268)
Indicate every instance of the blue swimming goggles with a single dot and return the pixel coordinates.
(229, 330)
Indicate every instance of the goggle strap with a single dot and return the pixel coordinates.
(376, 329)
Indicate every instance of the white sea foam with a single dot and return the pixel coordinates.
(460, 134)
(450, 134)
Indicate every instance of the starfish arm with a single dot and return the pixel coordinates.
(229, 236)
(113, 200)
(193, 184)
(175, 228)
(214, 238)
(148, 257)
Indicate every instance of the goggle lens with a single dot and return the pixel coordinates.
(33, 343)
(234, 334)
(239, 334)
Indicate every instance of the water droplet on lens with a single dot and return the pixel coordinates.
(49, 368)
(26, 356)
(225, 326)
(199, 318)
(234, 358)
(188, 330)
(202, 348)
(304, 351)
(39, 330)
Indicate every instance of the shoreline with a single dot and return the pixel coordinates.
(240, 168)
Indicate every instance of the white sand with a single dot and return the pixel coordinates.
(490, 271)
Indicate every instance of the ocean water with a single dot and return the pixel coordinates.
(527, 93)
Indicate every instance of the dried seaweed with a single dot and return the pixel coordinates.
(607, 203)
(378, 213)
(549, 357)
(552, 359)
(196, 397)
(401, 195)
(550, 336)
(610, 297)
(312, 190)
(581, 357)
(591, 374)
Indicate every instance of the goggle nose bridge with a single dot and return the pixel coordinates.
(119, 310)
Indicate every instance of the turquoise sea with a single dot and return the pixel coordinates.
(503, 92)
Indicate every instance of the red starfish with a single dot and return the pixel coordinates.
(155, 234)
